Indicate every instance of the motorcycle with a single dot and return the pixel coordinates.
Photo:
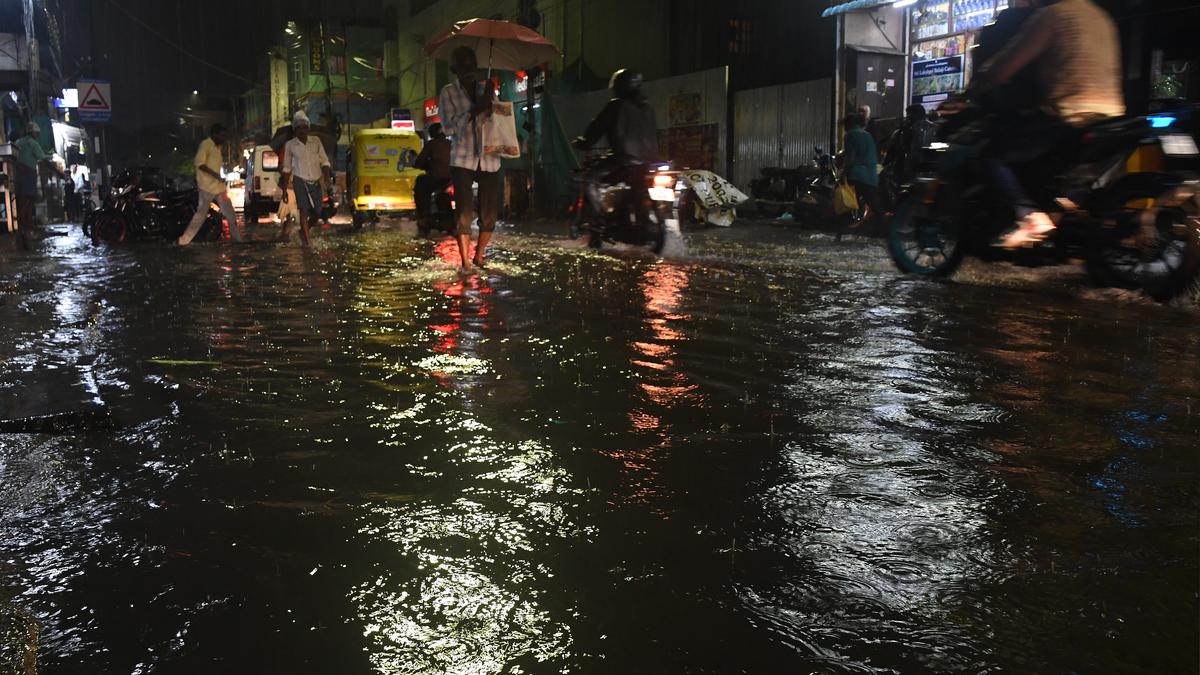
(440, 215)
(1126, 200)
(603, 210)
(815, 200)
(140, 207)
(776, 189)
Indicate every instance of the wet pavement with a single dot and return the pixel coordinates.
(767, 454)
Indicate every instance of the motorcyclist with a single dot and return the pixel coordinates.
(434, 160)
(628, 124)
(1072, 48)
(1020, 92)
(904, 149)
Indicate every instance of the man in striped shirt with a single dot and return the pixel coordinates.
(1072, 48)
(465, 104)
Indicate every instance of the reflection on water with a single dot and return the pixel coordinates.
(765, 459)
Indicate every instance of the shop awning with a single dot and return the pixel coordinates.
(67, 137)
(854, 6)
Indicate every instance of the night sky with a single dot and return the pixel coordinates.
(152, 80)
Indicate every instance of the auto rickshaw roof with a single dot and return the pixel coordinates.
(384, 133)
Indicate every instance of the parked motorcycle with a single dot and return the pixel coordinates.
(777, 188)
(140, 206)
(815, 200)
(604, 212)
(1126, 200)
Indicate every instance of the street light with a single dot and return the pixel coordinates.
(195, 92)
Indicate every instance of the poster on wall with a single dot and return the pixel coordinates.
(686, 109)
(692, 147)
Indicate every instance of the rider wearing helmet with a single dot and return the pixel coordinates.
(627, 122)
(434, 160)
(628, 125)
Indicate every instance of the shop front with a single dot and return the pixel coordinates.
(892, 53)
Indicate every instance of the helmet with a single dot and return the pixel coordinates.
(626, 83)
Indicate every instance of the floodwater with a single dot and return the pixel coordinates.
(770, 454)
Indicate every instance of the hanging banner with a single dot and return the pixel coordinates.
(279, 94)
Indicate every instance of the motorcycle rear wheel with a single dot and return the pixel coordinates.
(109, 228)
(1162, 257)
(656, 230)
(924, 241)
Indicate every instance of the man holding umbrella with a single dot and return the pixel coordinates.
(465, 104)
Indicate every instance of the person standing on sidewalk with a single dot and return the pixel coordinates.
(29, 154)
(308, 172)
(211, 186)
(862, 166)
(465, 103)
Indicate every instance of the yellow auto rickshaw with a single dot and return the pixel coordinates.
(381, 174)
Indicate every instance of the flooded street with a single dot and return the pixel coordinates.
(767, 454)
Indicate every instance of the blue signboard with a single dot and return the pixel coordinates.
(949, 65)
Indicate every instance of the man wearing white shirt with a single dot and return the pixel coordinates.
(307, 172)
(211, 186)
(466, 103)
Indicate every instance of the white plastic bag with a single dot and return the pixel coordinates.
(718, 197)
(500, 132)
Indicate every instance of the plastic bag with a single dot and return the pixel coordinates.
(500, 132)
(845, 199)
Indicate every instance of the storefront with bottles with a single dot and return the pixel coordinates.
(942, 34)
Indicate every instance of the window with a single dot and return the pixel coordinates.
(337, 64)
(741, 33)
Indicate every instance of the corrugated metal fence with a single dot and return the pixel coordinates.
(779, 126)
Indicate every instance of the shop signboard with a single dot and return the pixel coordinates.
(432, 114)
(936, 77)
(279, 93)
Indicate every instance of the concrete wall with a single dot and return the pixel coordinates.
(779, 127)
(881, 28)
(596, 38)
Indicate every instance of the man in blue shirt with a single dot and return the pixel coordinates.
(861, 165)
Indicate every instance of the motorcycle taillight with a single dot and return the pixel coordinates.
(450, 190)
